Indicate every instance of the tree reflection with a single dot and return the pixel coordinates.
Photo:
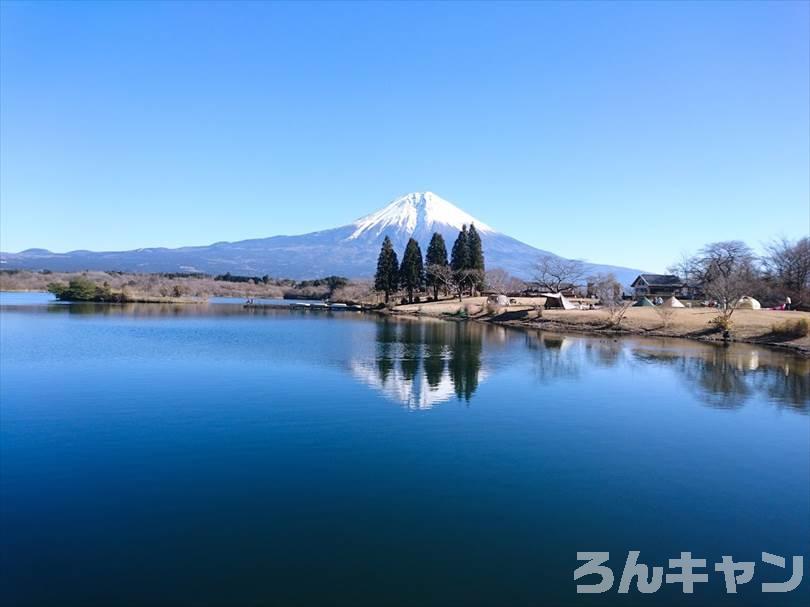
(412, 343)
(551, 361)
(728, 377)
(436, 349)
(465, 359)
(386, 341)
(423, 363)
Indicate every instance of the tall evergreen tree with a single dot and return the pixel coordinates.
(412, 272)
(460, 260)
(387, 277)
(476, 259)
(436, 263)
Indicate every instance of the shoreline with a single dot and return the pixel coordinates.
(640, 322)
(587, 323)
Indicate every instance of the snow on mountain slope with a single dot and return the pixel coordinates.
(350, 250)
(416, 210)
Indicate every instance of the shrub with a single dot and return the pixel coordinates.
(721, 323)
(665, 314)
(461, 312)
(792, 328)
(494, 309)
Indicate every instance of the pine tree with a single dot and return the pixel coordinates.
(387, 277)
(412, 273)
(460, 260)
(476, 259)
(436, 263)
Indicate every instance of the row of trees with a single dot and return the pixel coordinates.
(720, 271)
(463, 272)
(726, 271)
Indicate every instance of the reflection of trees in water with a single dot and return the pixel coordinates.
(436, 352)
(722, 377)
(788, 386)
(386, 342)
(465, 359)
(726, 378)
(551, 361)
(411, 339)
(604, 352)
(720, 383)
(435, 360)
(564, 357)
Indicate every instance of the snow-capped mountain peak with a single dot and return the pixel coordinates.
(416, 211)
(348, 250)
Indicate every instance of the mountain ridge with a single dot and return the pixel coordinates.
(350, 250)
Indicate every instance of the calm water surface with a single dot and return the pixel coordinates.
(209, 455)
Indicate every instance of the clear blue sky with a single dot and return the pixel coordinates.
(621, 133)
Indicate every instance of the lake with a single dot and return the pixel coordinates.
(212, 455)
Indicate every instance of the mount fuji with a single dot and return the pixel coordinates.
(349, 250)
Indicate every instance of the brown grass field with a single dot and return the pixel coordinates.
(753, 326)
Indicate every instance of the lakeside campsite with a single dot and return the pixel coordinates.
(470, 303)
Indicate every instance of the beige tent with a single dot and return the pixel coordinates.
(500, 300)
(672, 302)
(748, 303)
(557, 300)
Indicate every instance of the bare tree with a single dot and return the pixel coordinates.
(787, 269)
(610, 294)
(501, 281)
(665, 313)
(466, 279)
(685, 269)
(552, 273)
(726, 271)
(440, 277)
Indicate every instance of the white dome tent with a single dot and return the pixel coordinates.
(747, 302)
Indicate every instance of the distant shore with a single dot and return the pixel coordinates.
(760, 327)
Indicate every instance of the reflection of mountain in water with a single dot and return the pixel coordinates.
(421, 364)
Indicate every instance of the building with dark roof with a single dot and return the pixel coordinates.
(657, 285)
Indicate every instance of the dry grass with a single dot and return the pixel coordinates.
(792, 329)
(748, 325)
(148, 287)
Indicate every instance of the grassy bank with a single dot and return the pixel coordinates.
(186, 288)
(764, 327)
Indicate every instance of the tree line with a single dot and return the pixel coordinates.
(726, 271)
(722, 272)
(118, 286)
(463, 272)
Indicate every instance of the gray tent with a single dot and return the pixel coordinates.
(672, 302)
(557, 300)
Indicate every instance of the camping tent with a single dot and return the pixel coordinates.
(644, 303)
(557, 300)
(672, 302)
(748, 303)
(500, 300)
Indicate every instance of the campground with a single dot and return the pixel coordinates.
(752, 326)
